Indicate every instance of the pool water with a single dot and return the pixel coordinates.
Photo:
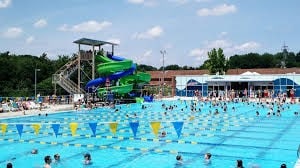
(236, 134)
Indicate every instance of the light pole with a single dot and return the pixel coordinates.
(35, 72)
(163, 52)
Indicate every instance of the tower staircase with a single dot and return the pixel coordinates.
(62, 77)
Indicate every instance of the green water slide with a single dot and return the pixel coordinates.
(117, 68)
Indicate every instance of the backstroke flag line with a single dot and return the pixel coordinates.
(3, 128)
(93, 126)
(113, 127)
(36, 127)
(134, 126)
(73, 128)
(178, 127)
(155, 125)
(55, 128)
(20, 129)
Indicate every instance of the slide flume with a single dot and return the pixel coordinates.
(114, 68)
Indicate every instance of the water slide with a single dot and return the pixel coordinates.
(114, 68)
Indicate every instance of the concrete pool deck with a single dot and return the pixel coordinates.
(49, 109)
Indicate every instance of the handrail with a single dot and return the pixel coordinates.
(62, 75)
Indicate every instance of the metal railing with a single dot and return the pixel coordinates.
(62, 76)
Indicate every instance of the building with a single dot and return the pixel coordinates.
(186, 82)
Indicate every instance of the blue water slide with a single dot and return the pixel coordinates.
(91, 85)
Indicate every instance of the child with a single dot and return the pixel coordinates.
(179, 159)
(207, 157)
(87, 159)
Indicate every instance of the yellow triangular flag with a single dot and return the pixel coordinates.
(113, 127)
(73, 127)
(155, 127)
(3, 128)
(36, 127)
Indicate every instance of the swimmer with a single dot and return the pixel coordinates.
(163, 134)
(179, 159)
(87, 159)
(47, 162)
(283, 165)
(207, 157)
(9, 165)
(34, 151)
(239, 164)
(56, 157)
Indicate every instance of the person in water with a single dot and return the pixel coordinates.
(179, 159)
(87, 159)
(239, 164)
(34, 151)
(163, 134)
(48, 161)
(56, 158)
(207, 157)
(9, 165)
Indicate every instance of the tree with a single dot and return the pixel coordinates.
(143, 67)
(216, 62)
(171, 67)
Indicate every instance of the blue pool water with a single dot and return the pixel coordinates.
(239, 134)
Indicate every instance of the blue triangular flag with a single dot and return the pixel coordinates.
(93, 127)
(55, 128)
(134, 126)
(178, 127)
(20, 129)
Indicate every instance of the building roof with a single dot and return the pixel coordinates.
(92, 42)
(240, 78)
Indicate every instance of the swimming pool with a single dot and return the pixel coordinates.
(236, 134)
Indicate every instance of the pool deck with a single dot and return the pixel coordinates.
(49, 109)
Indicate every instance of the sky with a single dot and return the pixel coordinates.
(185, 29)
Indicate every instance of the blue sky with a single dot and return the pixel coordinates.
(186, 29)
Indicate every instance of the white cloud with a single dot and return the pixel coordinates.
(29, 39)
(247, 47)
(219, 44)
(222, 34)
(4, 3)
(87, 27)
(143, 2)
(143, 58)
(181, 2)
(168, 46)
(151, 33)
(147, 53)
(200, 54)
(114, 40)
(136, 1)
(202, 0)
(217, 11)
(13, 32)
(197, 52)
(40, 23)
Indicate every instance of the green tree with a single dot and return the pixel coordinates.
(216, 62)
(143, 67)
(171, 67)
